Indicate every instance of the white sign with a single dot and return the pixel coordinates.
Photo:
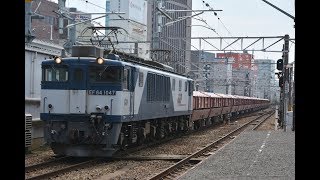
(138, 11)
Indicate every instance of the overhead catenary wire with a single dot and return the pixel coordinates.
(204, 21)
(215, 13)
(86, 1)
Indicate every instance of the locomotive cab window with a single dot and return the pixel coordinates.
(105, 74)
(78, 75)
(58, 74)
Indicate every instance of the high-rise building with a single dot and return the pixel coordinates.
(266, 86)
(242, 75)
(133, 24)
(211, 74)
(241, 82)
(173, 52)
(81, 29)
(241, 60)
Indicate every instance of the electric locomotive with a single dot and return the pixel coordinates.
(96, 106)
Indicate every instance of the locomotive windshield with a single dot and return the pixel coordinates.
(105, 74)
(51, 73)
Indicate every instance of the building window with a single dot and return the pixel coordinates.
(180, 85)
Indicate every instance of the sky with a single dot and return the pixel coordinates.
(238, 18)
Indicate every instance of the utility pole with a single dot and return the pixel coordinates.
(29, 15)
(71, 33)
(285, 75)
(64, 13)
(290, 88)
(293, 105)
(28, 35)
(294, 92)
(62, 7)
(286, 90)
(156, 35)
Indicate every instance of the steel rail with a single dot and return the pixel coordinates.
(44, 164)
(167, 171)
(62, 170)
(261, 122)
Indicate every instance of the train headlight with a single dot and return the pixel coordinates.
(50, 106)
(57, 59)
(99, 60)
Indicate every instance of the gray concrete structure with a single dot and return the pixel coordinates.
(267, 85)
(35, 53)
(134, 21)
(241, 82)
(211, 74)
(252, 155)
(170, 51)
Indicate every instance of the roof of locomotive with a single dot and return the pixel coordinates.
(83, 60)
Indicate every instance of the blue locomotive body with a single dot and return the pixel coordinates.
(93, 109)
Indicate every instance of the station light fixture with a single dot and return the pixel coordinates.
(99, 60)
(57, 59)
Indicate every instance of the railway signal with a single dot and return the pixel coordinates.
(280, 64)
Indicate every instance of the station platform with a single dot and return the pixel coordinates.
(252, 155)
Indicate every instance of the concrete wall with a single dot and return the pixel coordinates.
(33, 73)
(32, 82)
(37, 134)
(35, 53)
(32, 106)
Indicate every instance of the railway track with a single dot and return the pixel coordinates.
(184, 167)
(261, 122)
(185, 164)
(72, 164)
(44, 164)
(121, 155)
